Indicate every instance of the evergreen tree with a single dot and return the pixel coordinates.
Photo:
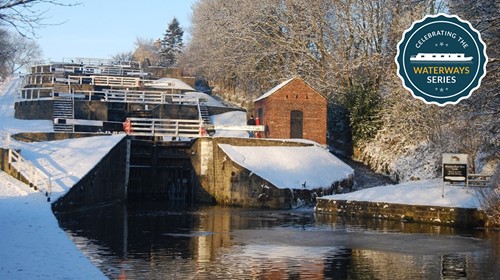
(171, 44)
(363, 104)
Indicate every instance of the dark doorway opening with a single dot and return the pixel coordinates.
(296, 124)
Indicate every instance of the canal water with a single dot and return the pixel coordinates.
(160, 241)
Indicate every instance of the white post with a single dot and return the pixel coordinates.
(467, 184)
(442, 193)
(177, 129)
(8, 140)
(49, 187)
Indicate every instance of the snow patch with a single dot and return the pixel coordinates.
(291, 167)
(424, 192)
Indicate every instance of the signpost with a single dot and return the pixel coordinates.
(455, 169)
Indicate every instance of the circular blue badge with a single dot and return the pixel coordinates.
(441, 59)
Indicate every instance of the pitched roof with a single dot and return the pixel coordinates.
(274, 89)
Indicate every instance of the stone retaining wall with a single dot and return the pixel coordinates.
(51, 136)
(105, 183)
(461, 217)
(222, 181)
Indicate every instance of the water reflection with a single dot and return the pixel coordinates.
(157, 241)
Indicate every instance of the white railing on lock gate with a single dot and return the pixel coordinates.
(165, 127)
(39, 180)
(125, 96)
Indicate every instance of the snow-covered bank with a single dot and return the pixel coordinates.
(425, 192)
(32, 244)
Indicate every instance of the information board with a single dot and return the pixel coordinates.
(455, 167)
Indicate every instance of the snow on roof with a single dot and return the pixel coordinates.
(210, 101)
(424, 192)
(274, 89)
(169, 83)
(290, 167)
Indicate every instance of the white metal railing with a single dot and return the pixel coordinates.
(259, 128)
(151, 97)
(39, 180)
(125, 96)
(478, 180)
(104, 80)
(41, 93)
(101, 61)
(165, 127)
(200, 115)
(116, 81)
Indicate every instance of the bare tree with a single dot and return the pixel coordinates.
(470, 127)
(339, 47)
(17, 52)
(146, 50)
(245, 47)
(124, 56)
(26, 16)
(252, 44)
(4, 46)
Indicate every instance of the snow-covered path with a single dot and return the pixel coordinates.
(32, 246)
(7, 121)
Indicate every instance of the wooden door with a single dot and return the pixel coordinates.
(296, 124)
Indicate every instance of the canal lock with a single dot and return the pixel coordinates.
(160, 170)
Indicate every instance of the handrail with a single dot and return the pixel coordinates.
(40, 93)
(110, 95)
(478, 180)
(260, 128)
(198, 105)
(143, 96)
(99, 61)
(37, 178)
(164, 127)
(115, 81)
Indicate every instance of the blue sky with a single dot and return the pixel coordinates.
(102, 28)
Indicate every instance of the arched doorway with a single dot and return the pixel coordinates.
(296, 124)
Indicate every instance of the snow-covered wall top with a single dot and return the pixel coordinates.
(290, 167)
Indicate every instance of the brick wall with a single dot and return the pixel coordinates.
(296, 95)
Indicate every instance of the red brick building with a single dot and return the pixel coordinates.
(293, 109)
